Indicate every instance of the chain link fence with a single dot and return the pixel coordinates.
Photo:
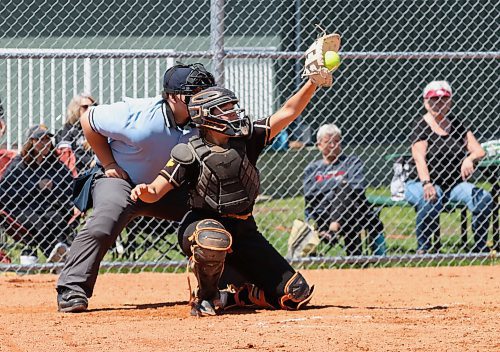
(51, 51)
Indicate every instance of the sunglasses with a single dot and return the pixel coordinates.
(86, 106)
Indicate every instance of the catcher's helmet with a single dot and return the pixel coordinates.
(187, 79)
(206, 110)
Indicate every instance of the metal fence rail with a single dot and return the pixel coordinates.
(390, 50)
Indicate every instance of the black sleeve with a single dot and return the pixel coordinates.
(462, 129)
(259, 139)
(14, 187)
(63, 188)
(177, 174)
(420, 131)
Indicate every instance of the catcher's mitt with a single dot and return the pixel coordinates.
(314, 67)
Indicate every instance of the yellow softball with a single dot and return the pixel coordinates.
(332, 60)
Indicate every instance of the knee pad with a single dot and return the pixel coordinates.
(297, 293)
(210, 241)
(209, 244)
(100, 231)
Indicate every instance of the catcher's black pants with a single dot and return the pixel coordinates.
(252, 259)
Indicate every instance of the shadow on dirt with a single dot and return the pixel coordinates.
(141, 306)
(392, 308)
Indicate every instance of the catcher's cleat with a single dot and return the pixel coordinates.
(70, 301)
(202, 309)
(247, 295)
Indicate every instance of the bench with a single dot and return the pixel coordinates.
(490, 168)
(383, 201)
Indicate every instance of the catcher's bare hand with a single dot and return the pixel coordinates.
(138, 191)
(114, 170)
(314, 67)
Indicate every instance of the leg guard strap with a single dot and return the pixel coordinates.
(297, 293)
(247, 295)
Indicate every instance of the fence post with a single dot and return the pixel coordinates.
(217, 39)
(87, 75)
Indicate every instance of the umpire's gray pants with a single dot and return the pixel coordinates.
(113, 209)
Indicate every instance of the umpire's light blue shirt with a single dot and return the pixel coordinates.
(141, 134)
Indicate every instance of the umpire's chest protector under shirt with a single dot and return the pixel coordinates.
(141, 135)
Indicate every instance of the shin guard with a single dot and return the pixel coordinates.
(209, 244)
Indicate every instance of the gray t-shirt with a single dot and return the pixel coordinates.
(322, 181)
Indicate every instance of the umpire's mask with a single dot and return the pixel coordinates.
(187, 80)
(209, 108)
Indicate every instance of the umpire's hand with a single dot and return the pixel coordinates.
(114, 170)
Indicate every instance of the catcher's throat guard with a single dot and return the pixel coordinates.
(314, 67)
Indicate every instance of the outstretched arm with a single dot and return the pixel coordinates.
(292, 108)
(152, 192)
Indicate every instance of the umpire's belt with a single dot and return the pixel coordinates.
(237, 216)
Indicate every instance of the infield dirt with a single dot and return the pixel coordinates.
(391, 309)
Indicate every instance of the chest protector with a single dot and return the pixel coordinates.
(228, 183)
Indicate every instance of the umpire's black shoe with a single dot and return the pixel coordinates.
(70, 301)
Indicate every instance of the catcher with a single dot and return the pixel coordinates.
(219, 233)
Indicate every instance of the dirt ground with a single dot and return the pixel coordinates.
(394, 309)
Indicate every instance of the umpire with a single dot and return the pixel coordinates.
(132, 140)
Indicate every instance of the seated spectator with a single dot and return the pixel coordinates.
(6, 155)
(3, 125)
(71, 135)
(36, 191)
(444, 152)
(334, 191)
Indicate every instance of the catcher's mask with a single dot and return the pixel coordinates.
(187, 80)
(208, 109)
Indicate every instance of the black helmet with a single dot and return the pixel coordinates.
(202, 105)
(187, 79)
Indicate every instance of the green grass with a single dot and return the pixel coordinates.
(275, 217)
